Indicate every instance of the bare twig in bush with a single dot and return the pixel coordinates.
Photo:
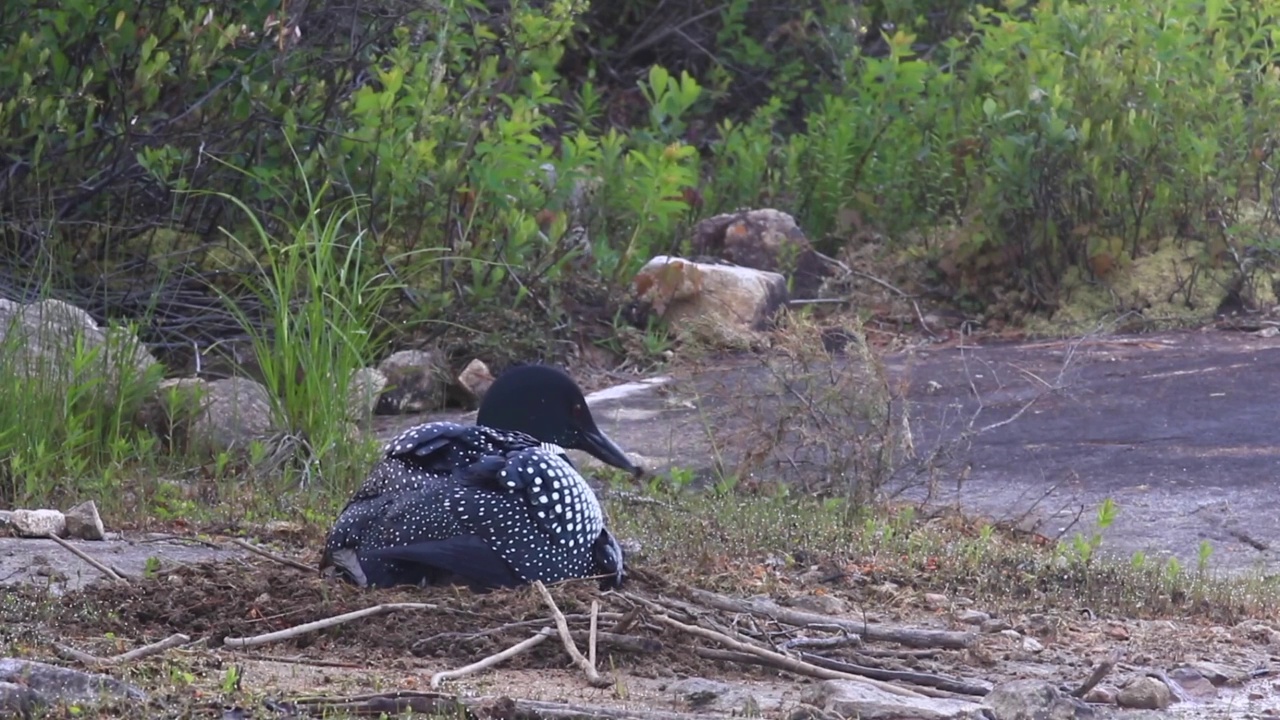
(488, 662)
(287, 562)
(588, 669)
(1100, 671)
(125, 658)
(910, 637)
(591, 640)
(106, 571)
(325, 623)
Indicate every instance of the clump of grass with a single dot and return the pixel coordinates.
(763, 542)
(324, 295)
(66, 409)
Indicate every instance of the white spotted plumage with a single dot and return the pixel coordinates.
(524, 499)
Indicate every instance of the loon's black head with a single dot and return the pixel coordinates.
(547, 404)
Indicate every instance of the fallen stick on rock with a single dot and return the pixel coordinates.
(106, 571)
(263, 552)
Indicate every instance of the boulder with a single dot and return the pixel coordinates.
(209, 417)
(363, 391)
(1145, 693)
(417, 381)
(724, 304)
(849, 699)
(37, 523)
(49, 342)
(84, 522)
(27, 685)
(1035, 700)
(764, 239)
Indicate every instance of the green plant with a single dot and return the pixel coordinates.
(1086, 549)
(324, 297)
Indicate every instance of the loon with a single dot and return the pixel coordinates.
(495, 504)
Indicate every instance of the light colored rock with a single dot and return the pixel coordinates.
(37, 523)
(84, 522)
(1145, 693)
(209, 417)
(40, 341)
(1102, 695)
(476, 378)
(1219, 674)
(936, 601)
(763, 239)
(995, 625)
(5, 516)
(1193, 683)
(1032, 645)
(721, 304)
(703, 694)
(417, 381)
(49, 685)
(822, 604)
(1035, 700)
(363, 390)
(971, 617)
(849, 699)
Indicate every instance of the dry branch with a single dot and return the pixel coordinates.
(125, 658)
(910, 637)
(941, 682)
(106, 571)
(588, 669)
(305, 628)
(488, 662)
(287, 562)
(440, 705)
(778, 660)
(1099, 671)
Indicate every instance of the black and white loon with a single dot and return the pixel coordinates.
(495, 504)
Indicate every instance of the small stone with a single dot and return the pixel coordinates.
(725, 305)
(476, 378)
(1034, 700)
(995, 625)
(848, 699)
(1011, 634)
(1217, 673)
(5, 516)
(1117, 631)
(821, 603)
(971, 617)
(962, 601)
(1102, 695)
(886, 589)
(38, 523)
(1032, 645)
(1193, 683)
(84, 522)
(1145, 693)
(363, 391)
(936, 601)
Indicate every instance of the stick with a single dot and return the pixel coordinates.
(591, 639)
(942, 682)
(134, 655)
(1099, 671)
(448, 706)
(325, 623)
(911, 637)
(593, 676)
(779, 660)
(272, 556)
(475, 667)
(106, 571)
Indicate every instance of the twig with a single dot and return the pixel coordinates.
(298, 660)
(826, 643)
(1099, 671)
(475, 667)
(911, 637)
(778, 660)
(134, 655)
(272, 556)
(441, 705)
(325, 623)
(591, 639)
(593, 676)
(106, 571)
(941, 682)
